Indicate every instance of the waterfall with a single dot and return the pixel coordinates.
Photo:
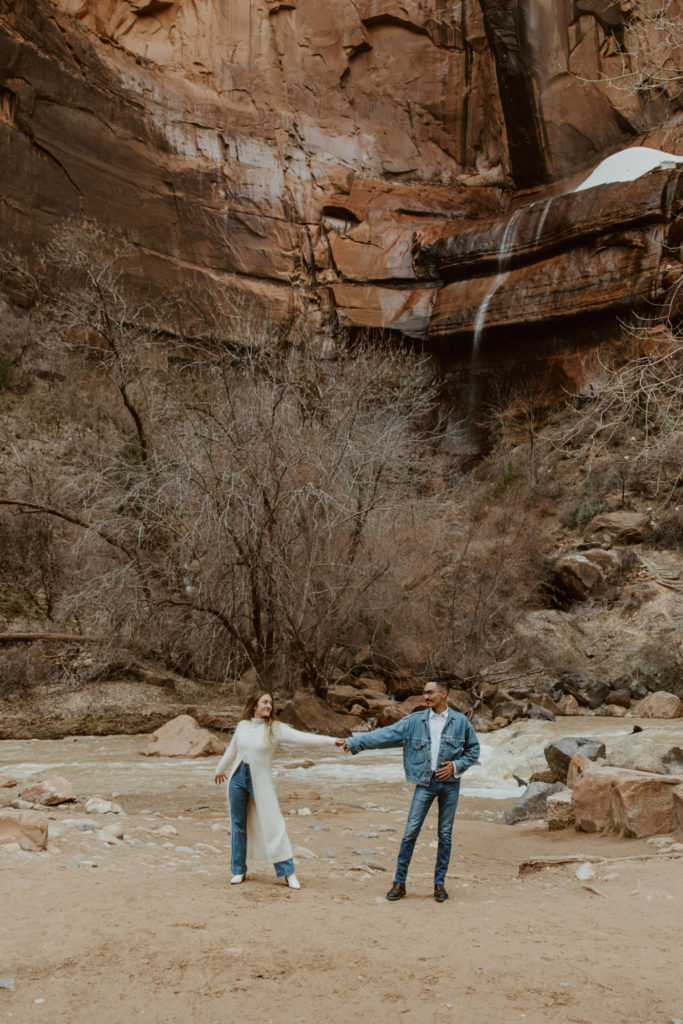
(541, 221)
(504, 255)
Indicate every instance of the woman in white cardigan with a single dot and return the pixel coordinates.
(257, 823)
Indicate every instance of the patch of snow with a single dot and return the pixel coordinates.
(628, 165)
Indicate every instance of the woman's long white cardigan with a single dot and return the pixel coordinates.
(267, 837)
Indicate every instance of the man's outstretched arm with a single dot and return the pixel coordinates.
(388, 736)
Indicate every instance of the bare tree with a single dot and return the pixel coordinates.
(246, 514)
(634, 419)
(644, 48)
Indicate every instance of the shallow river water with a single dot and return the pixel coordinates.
(111, 766)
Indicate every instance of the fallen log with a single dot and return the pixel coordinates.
(527, 867)
(79, 638)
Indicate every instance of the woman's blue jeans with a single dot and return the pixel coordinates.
(446, 793)
(239, 791)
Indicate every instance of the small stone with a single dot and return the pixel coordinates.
(6, 982)
(373, 865)
(304, 811)
(364, 853)
(170, 830)
(96, 805)
(364, 835)
(85, 826)
(585, 872)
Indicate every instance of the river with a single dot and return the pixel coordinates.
(111, 766)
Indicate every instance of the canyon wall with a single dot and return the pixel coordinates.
(312, 153)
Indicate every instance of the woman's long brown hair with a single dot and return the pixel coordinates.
(250, 707)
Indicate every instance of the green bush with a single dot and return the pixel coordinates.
(587, 512)
(510, 477)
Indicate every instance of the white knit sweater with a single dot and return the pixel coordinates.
(267, 837)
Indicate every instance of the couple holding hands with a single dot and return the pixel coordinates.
(439, 744)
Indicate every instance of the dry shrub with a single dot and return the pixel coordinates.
(496, 573)
(23, 667)
(668, 533)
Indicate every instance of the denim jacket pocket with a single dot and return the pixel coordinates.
(452, 746)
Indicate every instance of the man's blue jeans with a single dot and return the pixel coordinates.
(446, 793)
(240, 789)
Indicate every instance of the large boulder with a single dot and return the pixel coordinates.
(369, 683)
(404, 683)
(577, 576)
(559, 754)
(390, 714)
(532, 802)
(311, 714)
(27, 828)
(416, 703)
(630, 803)
(617, 528)
(659, 705)
(49, 792)
(182, 737)
(640, 752)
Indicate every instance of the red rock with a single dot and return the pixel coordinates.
(569, 705)
(645, 806)
(617, 528)
(50, 791)
(404, 683)
(414, 703)
(631, 803)
(578, 766)
(182, 737)
(310, 165)
(9, 784)
(389, 715)
(658, 705)
(311, 714)
(370, 683)
(28, 828)
(547, 702)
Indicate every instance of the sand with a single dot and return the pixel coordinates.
(153, 932)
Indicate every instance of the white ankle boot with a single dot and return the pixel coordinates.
(292, 881)
(236, 879)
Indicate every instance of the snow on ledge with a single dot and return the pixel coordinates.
(628, 165)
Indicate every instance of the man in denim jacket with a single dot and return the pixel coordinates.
(439, 744)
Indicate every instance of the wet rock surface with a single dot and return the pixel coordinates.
(310, 172)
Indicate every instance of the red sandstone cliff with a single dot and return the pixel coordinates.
(314, 152)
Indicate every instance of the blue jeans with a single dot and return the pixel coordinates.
(446, 793)
(240, 789)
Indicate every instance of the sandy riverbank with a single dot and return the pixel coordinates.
(152, 932)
